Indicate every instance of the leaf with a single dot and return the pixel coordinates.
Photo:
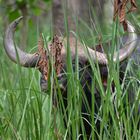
(133, 6)
(14, 14)
(31, 2)
(19, 0)
(47, 0)
(120, 8)
(122, 11)
(36, 10)
(43, 63)
(55, 51)
(55, 54)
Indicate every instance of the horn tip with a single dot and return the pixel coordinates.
(18, 19)
(16, 22)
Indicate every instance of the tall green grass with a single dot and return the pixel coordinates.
(26, 113)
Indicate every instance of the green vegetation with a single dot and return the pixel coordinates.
(28, 114)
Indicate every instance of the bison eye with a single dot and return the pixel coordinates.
(43, 84)
(62, 80)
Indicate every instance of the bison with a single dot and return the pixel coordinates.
(85, 55)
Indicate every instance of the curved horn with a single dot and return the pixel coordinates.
(30, 60)
(14, 53)
(129, 46)
(125, 52)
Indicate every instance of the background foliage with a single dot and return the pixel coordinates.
(28, 114)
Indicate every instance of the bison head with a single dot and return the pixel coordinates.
(31, 60)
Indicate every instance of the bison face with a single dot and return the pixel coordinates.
(62, 81)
